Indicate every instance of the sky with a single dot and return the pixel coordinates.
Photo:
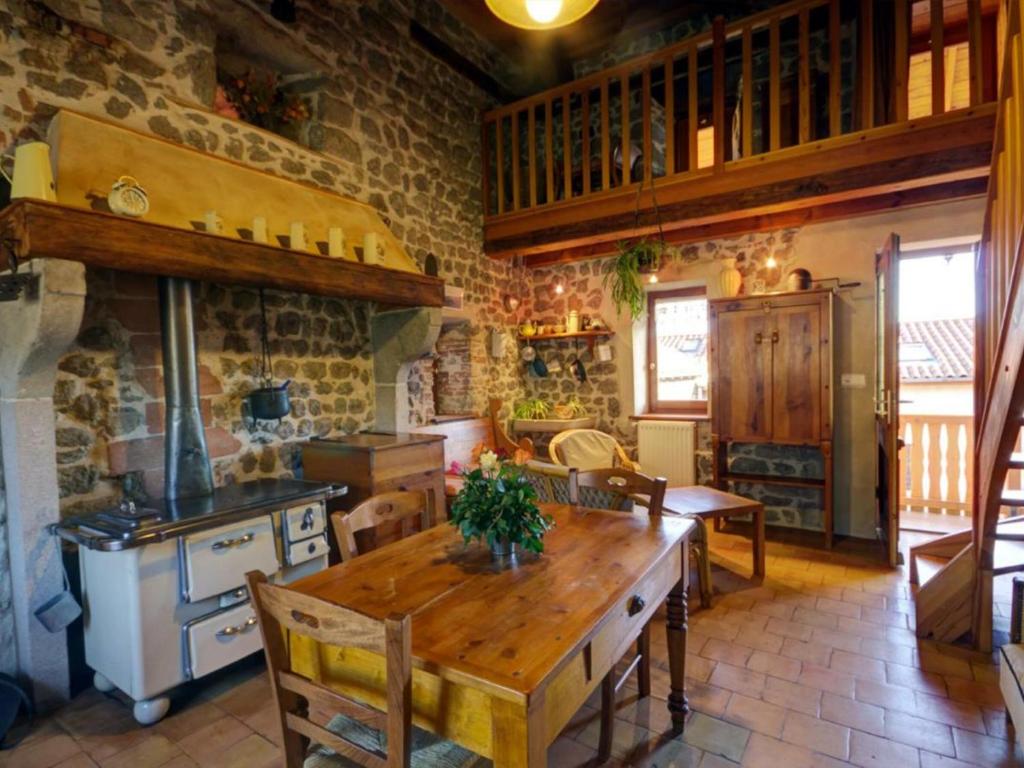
(935, 288)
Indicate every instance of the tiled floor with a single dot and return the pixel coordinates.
(816, 667)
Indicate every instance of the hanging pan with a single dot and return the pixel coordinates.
(269, 402)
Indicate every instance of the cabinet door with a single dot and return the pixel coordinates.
(742, 372)
(796, 374)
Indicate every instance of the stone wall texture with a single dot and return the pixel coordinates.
(392, 126)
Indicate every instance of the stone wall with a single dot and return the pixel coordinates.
(395, 128)
(8, 653)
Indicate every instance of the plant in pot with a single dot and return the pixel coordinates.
(531, 408)
(572, 408)
(497, 505)
(636, 259)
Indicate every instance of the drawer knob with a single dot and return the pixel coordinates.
(232, 543)
(238, 629)
(636, 605)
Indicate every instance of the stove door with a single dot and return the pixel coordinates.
(216, 561)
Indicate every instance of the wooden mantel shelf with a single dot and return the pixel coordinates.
(36, 229)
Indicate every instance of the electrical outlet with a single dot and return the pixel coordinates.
(853, 381)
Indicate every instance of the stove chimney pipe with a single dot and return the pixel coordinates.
(186, 458)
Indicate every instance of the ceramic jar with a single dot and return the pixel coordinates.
(730, 280)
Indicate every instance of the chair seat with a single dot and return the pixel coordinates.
(428, 750)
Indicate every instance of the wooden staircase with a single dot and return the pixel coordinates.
(954, 573)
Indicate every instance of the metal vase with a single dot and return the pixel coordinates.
(503, 550)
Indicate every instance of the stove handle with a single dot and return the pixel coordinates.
(239, 629)
(232, 543)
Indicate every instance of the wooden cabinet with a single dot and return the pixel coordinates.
(771, 381)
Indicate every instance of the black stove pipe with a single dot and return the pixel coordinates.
(186, 458)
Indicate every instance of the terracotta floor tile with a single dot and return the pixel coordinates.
(997, 723)
(773, 664)
(570, 753)
(714, 628)
(709, 699)
(664, 753)
(893, 697)
(917, 679)
(246, 698)
(746, 621)
(44, 752)
(760, 641)
(251, 752)
(825, 679)
(931, 760)
(839, 608)
(817, 735)
(789, 629)
(716, 736)
(874, 752)
(755, 714)
(918, 732)
(843, 641)
(730, 653)
(960, 714)
(207, 743)
(792, 695)
(982, 694)
(766, 752)
(880, 649)
(699, 668)
(81, 760)
(183, 722)
(866, 599)
(853, 714)
(857, 665)
(942, 664)
(738, 679)
(711, 761)
(151, 752)
(885, 618)
(774, 609)
(815, 618)
(811, 652)
(862, 628)
(181, 761)
(986, 751)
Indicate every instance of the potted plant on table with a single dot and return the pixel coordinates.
(497, 505)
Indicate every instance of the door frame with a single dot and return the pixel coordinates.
(886, 396)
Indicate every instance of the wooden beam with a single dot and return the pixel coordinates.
(975, 57)
(485, 168)
(585, 141)
(49, 230)
(718, 88)
(811, 213)
(443, 52)
(835, 70)
(500, 145)
(938, 59)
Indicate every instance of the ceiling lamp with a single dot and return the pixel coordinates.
(540, 14)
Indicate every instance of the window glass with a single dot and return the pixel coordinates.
(678, 326)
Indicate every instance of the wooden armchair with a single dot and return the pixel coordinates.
(399, 509)
(588, 449)
(619, 489)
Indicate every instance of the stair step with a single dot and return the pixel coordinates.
(927, 567)
(1012, 498)
(1007, 557)
(1017, 461)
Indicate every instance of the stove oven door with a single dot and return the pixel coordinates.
(216, 561)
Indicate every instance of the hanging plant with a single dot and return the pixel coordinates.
(636, 258)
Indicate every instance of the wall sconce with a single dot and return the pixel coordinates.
(510, 302)
(558, 285)
(653, 279)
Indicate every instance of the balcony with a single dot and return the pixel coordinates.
(791, 116)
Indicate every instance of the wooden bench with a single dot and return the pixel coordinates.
(463, 435)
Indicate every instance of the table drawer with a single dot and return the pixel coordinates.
(302, 551)
(216, 561)
(303, 522)
(220, 639)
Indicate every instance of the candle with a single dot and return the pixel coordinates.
(335, 243)
(212, 222)
(259, 230)
(372, 252)
(297, 236)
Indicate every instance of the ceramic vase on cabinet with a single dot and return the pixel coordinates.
(730, 280)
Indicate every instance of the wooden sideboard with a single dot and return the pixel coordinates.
(771, 382)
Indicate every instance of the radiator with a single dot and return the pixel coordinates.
(667, 449)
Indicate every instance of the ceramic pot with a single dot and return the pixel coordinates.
(33, 175)
(730, 280)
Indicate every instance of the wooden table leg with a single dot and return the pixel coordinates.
(759, 546)
(519, 734)
(676, 629)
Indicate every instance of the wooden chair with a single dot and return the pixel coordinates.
(620, 489)
(554, 484)
(353, 732)
(588, 449)
(398, 507)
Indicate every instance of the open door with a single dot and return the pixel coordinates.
(887, 396)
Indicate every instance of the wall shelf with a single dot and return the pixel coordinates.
(33, 229)
(553, 426)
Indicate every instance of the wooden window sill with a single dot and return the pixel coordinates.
(670, 417)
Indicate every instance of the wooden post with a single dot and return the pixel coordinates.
(975, 52)
(485, 167)
(549, 150)
(516, 157)
(567, 147)
(693, 106)
(645, 103)
(670, 116)
(804, 77)
(938, 59)
(835, 71)
(500, 142)
(624, 92)
(902, 60)
(531, 136)
(747, 115)
(774, 89)
(606, 139)
(718, 89)
(866, 31)
(585, 141)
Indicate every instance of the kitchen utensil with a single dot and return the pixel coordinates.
(540, 368)
(267, 403)
(604, 353)
(578, 371)
(572, 322)
(127, 198)
(527, 329)
(32, 175)
(560, 328)
(528, 354)
(57, 613)
(555, 366)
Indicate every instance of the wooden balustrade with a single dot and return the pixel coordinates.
(775, 80)
(938, 463)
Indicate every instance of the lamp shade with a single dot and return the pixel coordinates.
(540, 14)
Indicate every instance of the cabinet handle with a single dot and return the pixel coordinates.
(239, 629)
(307, 520)
(775, 337)
(232, 543)
(758, 338)
(636, 605)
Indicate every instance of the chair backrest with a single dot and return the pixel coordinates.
(588, 449)
(283, 613)
(397, 507)
(554, 484)
(462, 436)
(620, 489)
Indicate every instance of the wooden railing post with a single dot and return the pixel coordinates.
(567, 146)
(549, 149)
(692, 106)
(585, 140)
(975, 53)
(531, 136)
(938, 59)
(747, 116)
(606, 139)
(866, 33)
(645, 121)
(804, 78)
(901, 51)
(835, 70)
(485, 167)
(500, 144)
(774, 87)
(516, 169)
(718, 89)
(670, 117)
(624, 93)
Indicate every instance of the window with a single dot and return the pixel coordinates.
(677, 351)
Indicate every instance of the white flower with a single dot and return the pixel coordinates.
(488, 461)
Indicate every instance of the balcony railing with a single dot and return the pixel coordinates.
(937, 464)
(800, 73)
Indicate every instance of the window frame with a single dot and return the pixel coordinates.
(674, 407)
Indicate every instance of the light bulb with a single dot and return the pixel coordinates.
(652, 279)
(559, 289)
(771, 263)
(543, 11)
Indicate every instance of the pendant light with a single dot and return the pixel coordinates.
(540, 14)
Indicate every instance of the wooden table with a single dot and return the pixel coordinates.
(711, 503)
(504, 658)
